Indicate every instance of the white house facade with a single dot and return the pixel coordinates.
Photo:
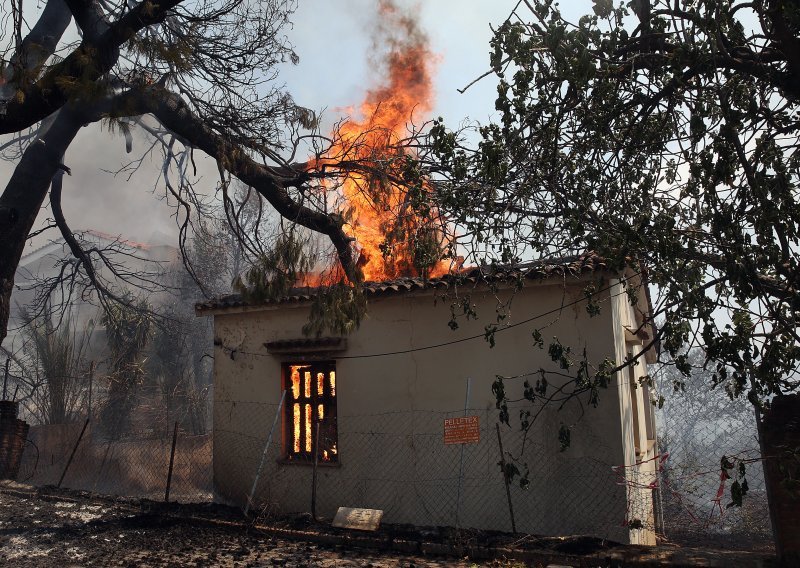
(384, 396)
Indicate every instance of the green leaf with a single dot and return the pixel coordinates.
(736, 495)
(603, 8)
(538, 341)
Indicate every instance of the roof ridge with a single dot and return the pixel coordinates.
(540, 269)
(95, 233)
(37, 249)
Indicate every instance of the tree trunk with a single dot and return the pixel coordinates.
(779, 433)
(23, 197)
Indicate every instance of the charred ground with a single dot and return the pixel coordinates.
(49, 527)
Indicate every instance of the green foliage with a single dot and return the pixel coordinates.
(128, 328)
(462, 307)
(338, 309)
(177, 54)
(177, 363)
(733, 468)
(488, 334)
(53, 367)
(426, 250)
(276, 271)
(603, 8)
(592, 307)
(510, 470)
(564, 437)
(499, 392)
(560, 354)
(692, 406)
(538, 340)
(660, 136)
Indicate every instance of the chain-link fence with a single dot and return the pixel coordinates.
(134, 465)
(398, 462)
(699, 430)
(129, 454)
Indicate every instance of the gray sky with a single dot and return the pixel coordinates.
(338, 64)
(333, 40)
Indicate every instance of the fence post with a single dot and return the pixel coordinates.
(314, 476)
(72, 455)
(264, 455)
(505, 478)
(461, 460)
(171, 461)
(91, 381)
(5, 377)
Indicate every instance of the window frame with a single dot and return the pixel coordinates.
(328, 431)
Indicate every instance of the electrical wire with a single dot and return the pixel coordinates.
(234, 352)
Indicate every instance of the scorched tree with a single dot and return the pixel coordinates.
(193, 74)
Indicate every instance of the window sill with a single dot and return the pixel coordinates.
(284, 461)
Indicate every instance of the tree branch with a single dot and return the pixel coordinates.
(75, 247)
(36, 48)
(90, 18)
(87, 63)
(270, 183)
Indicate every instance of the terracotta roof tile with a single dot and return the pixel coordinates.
(537, 270)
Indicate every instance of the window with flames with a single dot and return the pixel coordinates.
(311, 394)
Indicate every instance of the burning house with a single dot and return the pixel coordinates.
(381, 397)
(368, 419)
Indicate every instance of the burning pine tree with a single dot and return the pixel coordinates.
(382, 195)
(370, 176)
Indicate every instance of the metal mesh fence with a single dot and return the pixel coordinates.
(136, 465)
(126, 457)
(398, 462)
(697, 431)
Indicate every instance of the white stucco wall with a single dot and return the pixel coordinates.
(391, 408)
(633, 406)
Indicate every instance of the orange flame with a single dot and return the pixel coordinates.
(388, 232)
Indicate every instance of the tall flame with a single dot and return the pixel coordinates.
(388, 229)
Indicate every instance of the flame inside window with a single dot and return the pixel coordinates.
(308, 428)
(295, 382)
(297, 427)
(312, 405)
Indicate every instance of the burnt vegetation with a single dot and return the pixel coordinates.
(191, 77)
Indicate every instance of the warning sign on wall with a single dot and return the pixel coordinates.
(462, 430)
